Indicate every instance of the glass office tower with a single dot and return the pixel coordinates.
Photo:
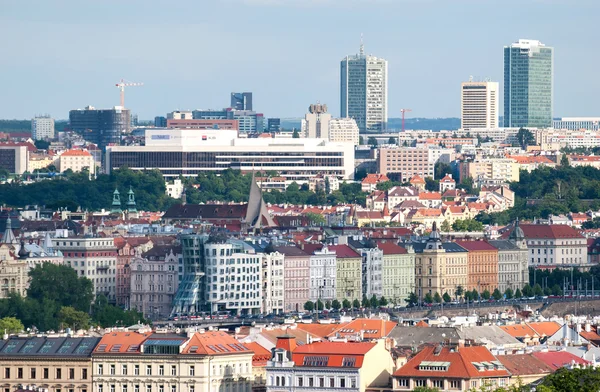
(528, 84)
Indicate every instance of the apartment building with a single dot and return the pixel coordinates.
(273, 282)
(554, 245)
(344, 130)
(513, 257)
(208, 361)
(348, 275)
(296, 285)
(154, 281)
(59, 364)
(406, 161)
(323, 274)
(500, 169)
(92, 257)
(13, 272)
(127, 249)
(397, 271)
(42, 128)
(371, 266)
(482, 272)
(76, 161)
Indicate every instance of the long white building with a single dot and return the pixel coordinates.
(479, 105)
(577, 123)
(188, 152)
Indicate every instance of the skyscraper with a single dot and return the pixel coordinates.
(528, 84)
(479, 105)
(364, 91)
(103, 127)
(241, 101)
(42, 127)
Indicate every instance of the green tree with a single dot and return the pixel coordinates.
(577, 379)
(441, 169)
(426, 389)
(557, 290)
(437, 298)
(336, 305)
(469, 296)
(525, 138)
(374, 302)
(446, 226)
(319, 305)
(428, 298)
(356, 304)
(564, 161)
(295, 134)
(309, 306)
(509, 293)
(328, 304)
(74, 291)
(11, 325)
(527, 291)
(446, 297)
(41, 144)
(459, 291)
(315, 219)
(107, 315)
(365, 302)
(467, 225)
(68, 316)
(383, 301)
(537, 290)
(497, 295)
(475, 295)
(372, 141)
(486, 294)
(412, 299)
(346, 304)
(518, 293)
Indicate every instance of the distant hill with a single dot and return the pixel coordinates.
(395, 124)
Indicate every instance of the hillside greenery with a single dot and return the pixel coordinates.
(18, 126)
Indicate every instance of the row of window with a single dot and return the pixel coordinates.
(321, 382)
(112, 370)
(45, 373)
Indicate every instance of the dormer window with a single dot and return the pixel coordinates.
(279, 357)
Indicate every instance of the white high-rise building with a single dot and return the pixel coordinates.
(42, 128)
(316, 122)
(479, 105)
(364, 91)
(344, 130)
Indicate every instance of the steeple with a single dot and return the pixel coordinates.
(116, 203)
(131, 206)
(434, 242)
(9, 236)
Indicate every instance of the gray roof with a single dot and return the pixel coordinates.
(503, 245)
(488, 334)
(416, 336)
(47, 346)
(447, 246)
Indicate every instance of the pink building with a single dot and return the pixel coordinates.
(296, 286)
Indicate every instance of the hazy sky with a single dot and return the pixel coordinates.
(60, 55)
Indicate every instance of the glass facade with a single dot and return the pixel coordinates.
(528, 84)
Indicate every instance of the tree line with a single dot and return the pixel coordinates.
(48, 308)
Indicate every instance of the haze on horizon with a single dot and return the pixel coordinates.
(67, 54)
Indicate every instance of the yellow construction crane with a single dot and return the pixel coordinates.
(121, 86)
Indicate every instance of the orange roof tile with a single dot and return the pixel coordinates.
(430, 196)
(545, 328)
(370, 328)
(214, 343)
(320, 330)
(261, 354)
(76, 153)
(417, 180)
(335, 352)
(519, 330)
(121, 342)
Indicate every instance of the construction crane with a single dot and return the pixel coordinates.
(403, 111)
(121, 86)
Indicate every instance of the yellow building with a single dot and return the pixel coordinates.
(348, 283)
(397, 272)
(39, 161)
(57, 364)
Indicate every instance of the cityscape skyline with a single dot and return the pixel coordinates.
(426, 82)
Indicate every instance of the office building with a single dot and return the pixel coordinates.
(364, 91)
(273, 125)
(14, 158)
(316, 122)
(528, 84)
(42, 128)
(406, 161)
(180, 115)
(248, 120)
(102, 127)
(160, 122)
(188, 152)
(577, 123)
(344, 130)
(479, 105)
(241, 101)
(203, 124)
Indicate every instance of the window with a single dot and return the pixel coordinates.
(161, 370)
(136, 388)
(71, 373)
(33, 371)
(136, 370)
(99, 387)
(322, 382)
(173, 370)
(148, 370)
(300, 381)
(473, 384)
(112, 370)
(311, 382)
(148, 388)
(438, 383)
(161, 388)
(192, 370)
(192, 389)
(84, 374)
(58, 373)
(342, 382)
(6, 372)
(47, 372)
(352, 382)
(403, 382)
(124, 388)
(420, 382)
(20, 372)
(173, 388)
(455, 384)
(100, 370)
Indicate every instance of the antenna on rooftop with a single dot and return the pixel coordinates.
(362, 45)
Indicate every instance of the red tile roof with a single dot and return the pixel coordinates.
(121, 342)
(417, 180)
(375, 178)
(261, 354)
(461, 363)
(474, 246)
(214, 343)
(430, 196)
(545, 328)
(343, 252)
(519, 330)
(76, 153)
(389, 248)
(370, 328)
(448, 179)
(559, 359)
(335, 352)
(549, 231)
(524, 365)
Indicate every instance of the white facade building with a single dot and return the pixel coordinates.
(190, 151)
(92, 257)
(323, 272)
(273, 279)
(372, 267)
(180, 115)
(42, 128)
(344, 130)
(175, 189)
(479, 105)
(233, 277)
(364, 88)
(577, 123)
(316, 122)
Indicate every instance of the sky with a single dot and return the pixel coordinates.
(59, 55)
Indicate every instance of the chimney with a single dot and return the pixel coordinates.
(588, 327)
(286, 342)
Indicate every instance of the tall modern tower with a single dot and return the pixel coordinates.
(316, 122)
(364, 91)
(241, 101)
(528, 84)
(479, 105)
